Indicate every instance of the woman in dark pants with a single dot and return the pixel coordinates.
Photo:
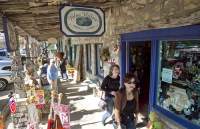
(127, 104)
(63, 69)
(110, 85)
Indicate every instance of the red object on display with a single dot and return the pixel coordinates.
(12, 105)
(50, 124)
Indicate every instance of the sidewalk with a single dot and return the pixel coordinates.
(85, 113)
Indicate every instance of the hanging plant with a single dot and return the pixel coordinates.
(116, 48)
(105, 54)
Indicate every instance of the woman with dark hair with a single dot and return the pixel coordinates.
(126, 104)
(110, 85)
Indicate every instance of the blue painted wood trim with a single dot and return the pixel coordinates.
(127, 57)
(152, 75)
(122, 62)
(177, 33)
(156, 62)
(188, 32)
(183, 122)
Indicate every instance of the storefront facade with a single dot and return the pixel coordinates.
(174, 68)
(145, 30)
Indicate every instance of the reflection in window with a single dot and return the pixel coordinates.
(179, 83)
(99, 62)
(89, 56)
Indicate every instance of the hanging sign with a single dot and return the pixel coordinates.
(82, 21)
(12, 105)
(12, 43)
(63, 111)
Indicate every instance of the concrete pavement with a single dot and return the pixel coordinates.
(85, 113)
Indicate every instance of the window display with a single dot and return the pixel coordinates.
(99, 61)
(179, 78)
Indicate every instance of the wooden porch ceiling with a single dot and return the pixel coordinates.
(40, 18)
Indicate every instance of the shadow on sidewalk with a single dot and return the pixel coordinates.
(76, 126)
(75, 98)
(79, 93)
(79, 114)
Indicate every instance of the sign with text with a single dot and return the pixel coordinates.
(63, 111)
(82, 21)
(167, 75)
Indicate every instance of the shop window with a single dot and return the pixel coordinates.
(74, 48)
(99, 62)
(179, 79)
(89, 58)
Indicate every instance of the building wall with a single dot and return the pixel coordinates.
(140, 15)
(137, 15)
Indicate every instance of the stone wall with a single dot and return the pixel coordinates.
(149, 14)
(137, 15)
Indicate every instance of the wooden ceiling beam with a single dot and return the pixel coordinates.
(44, 10)
(40, 18)
(47, 17)
(15, 2)
(14, 7)
(41, 23)
(48, 22)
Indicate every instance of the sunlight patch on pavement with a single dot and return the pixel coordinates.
(84, 88)
(4, 97)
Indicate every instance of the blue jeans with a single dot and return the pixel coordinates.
(109, 108)
(130, 124)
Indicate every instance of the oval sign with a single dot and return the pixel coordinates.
(76, 21)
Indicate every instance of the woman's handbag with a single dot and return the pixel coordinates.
(102, 103)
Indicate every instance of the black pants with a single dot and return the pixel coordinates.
(64, 73)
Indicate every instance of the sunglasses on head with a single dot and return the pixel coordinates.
(132, 82)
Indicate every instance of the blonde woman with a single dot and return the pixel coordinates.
(110, 86)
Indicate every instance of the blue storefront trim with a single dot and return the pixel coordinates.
(155, 35)
(123, 61)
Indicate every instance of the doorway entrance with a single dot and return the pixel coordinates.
(139, 65)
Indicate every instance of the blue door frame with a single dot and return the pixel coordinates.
(155, 35)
